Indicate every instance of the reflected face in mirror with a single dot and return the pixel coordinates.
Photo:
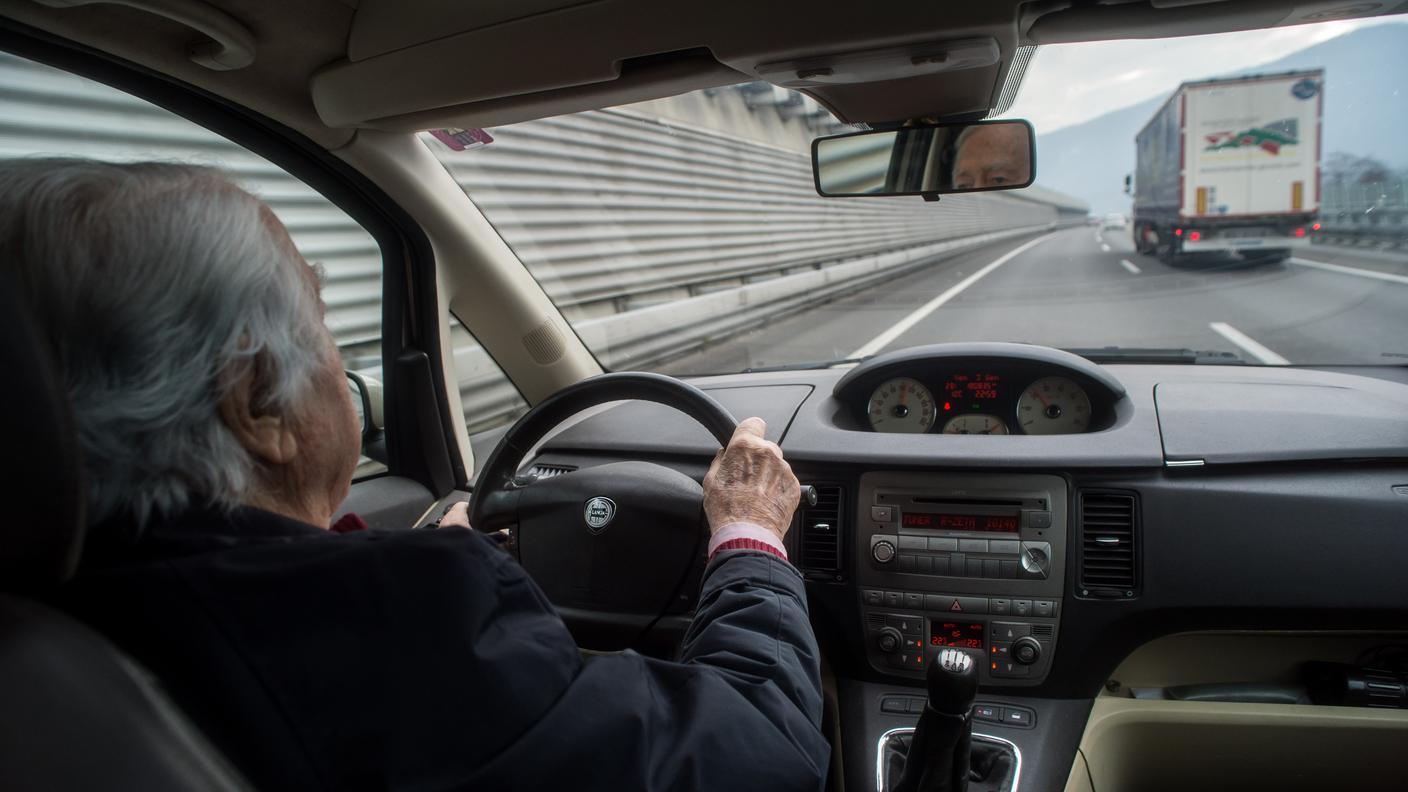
(926, 159)
(991, 155)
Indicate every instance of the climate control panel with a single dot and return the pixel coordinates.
(1012, 640)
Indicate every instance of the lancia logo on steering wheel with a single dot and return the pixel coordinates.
(598, 513)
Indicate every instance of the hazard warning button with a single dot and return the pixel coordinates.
(946, 603)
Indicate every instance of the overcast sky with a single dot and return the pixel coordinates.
(1070, 83)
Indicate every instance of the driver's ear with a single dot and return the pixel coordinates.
(266, 435)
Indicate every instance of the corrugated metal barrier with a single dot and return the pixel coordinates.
(653, 237)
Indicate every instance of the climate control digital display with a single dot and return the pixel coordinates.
(958, 635)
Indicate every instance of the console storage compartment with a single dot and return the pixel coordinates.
(1186, 745)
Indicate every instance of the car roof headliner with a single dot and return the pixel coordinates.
(328, 67)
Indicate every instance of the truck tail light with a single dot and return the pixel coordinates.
(1315, 227)
(1178, 232)
(1194, 236)
(1300, 232)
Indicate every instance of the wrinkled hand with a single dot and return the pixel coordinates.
(457, 516)
(751, 482)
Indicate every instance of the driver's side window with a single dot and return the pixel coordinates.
(51, 113)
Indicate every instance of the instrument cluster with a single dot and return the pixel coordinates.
(978, 400)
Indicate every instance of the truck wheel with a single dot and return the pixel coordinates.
(1167, 248)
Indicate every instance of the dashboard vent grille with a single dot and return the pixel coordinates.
(1109, 556)
(542, 472)
(1042, 630)
(821, 532)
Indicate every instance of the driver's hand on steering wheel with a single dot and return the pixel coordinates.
(750, 482)
(457, 516)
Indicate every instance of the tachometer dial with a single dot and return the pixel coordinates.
(901, 405)
(1053, 405)
(975, 423)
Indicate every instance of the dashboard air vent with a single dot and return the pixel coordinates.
(1109, 558)
(821, 531)
(544, 471)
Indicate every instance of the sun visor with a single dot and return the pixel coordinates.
(415, 64)
(382, 93)
(1168, 18)
(973, 91)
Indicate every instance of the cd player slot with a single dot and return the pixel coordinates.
(1018, 502)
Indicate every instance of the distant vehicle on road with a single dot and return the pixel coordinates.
(1231, 165)
(1113, 220)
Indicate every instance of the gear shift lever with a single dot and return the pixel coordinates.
(938, 753)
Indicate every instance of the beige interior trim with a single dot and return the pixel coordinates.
(1079, 780)
(224, 42)
(1185, 745)
(291, 40)
(445, 99)
(478, 276)
(1234, 656)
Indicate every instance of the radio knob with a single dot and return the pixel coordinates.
(889, 640)
(1025, 650)
(1035, 561)
(883, 552)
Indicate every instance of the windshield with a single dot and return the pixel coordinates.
(1229, 198)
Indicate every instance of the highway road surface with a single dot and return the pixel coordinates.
(1082, 288)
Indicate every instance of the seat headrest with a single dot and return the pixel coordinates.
(41, 533)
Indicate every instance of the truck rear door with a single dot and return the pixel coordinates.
(1253, 147)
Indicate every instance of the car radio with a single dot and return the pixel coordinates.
(974, 562)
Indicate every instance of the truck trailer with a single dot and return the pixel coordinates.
(1231, 165)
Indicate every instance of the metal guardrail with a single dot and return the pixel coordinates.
(1365, 214)
(654, 237)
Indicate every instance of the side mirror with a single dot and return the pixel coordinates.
(368, 397)
(1128, 184)
(926, 159)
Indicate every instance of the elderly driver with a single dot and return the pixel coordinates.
(992, 155)
(219, 438)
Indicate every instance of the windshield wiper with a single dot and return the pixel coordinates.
(816, 364)
(1114, 354)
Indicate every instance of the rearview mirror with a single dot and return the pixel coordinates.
(926, 159)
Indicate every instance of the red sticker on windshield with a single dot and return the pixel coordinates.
(462, 139)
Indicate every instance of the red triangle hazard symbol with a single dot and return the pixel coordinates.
(955, 606)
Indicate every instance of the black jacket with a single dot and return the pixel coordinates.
(428, 660)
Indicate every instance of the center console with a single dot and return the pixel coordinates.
(974, 562)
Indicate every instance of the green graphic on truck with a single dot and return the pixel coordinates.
(1269, 138)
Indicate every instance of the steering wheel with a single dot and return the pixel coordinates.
(622, 537)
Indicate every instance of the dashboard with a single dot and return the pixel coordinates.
(1243, 499)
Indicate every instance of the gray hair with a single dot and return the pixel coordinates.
(156, 286)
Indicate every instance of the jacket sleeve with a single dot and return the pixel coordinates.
(740, 711)
(752, 629)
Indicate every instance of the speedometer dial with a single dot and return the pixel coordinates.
(1053, 405)
(901, 405)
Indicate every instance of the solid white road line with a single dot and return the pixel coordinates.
(884, 339)
(1104, 248)
(1248, 344)
(1130, 265)
(1343, 270)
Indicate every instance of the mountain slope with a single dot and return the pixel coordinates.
(1366, 114)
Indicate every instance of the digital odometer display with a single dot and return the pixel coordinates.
(991, 523)
(965, 388)
(958, 635)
